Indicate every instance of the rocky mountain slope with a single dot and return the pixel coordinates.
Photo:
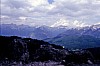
(26, 50)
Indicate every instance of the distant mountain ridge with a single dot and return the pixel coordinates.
(76, 41)
(44, 32)
(41, 32)
(85, 37)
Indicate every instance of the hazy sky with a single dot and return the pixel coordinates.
(50, 12)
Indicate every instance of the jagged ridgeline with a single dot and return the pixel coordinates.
(26, 49)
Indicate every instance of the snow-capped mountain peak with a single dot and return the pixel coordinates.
(61, 22)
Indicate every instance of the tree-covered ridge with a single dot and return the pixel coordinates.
(76, 41)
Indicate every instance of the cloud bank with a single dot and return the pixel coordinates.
(50, 12)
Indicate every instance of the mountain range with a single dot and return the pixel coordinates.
(82, 37)
(44, 32)
(85, 37)
(41, 32)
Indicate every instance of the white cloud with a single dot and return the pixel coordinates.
(50, 7)
(41, 12)
(38, 2)
(22, 18)
(67, 23)
(4, 17)
(77, 23)
(97, 23)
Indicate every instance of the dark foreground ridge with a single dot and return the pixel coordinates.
(27, 50)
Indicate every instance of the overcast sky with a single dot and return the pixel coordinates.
(50, 12)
